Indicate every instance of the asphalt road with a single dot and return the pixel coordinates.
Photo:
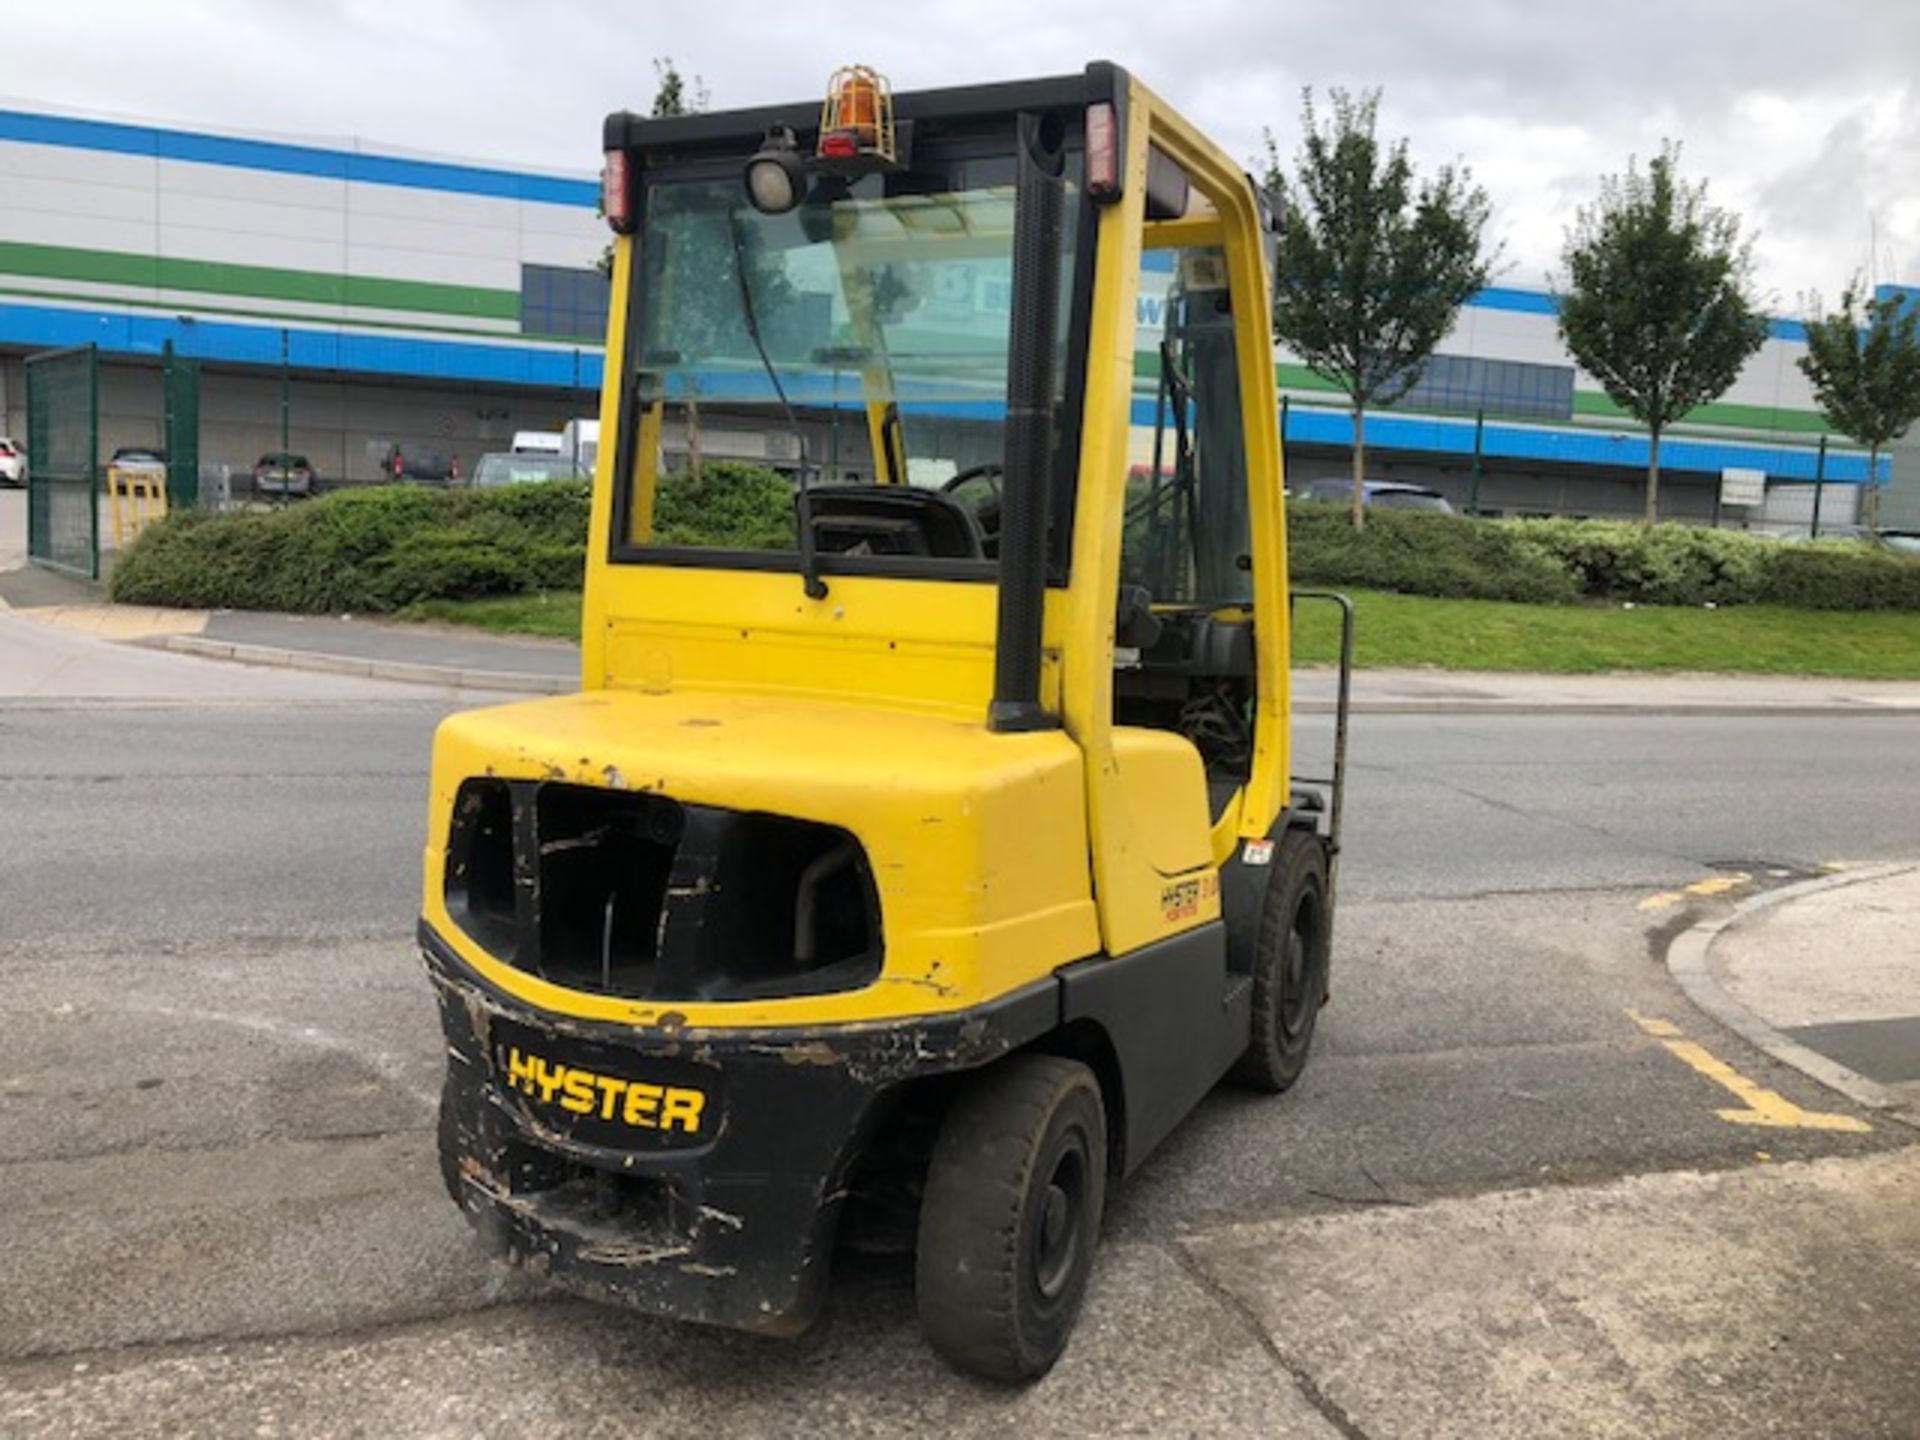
(215, 1111)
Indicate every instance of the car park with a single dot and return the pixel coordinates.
(430, 467)
(281, 472)
(1380, 494)
(500, 468)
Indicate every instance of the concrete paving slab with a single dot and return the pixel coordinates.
(1663, 1305)
(47, 662)
(1844, 952)
(447, 646)
(1157, 1355)
(1887, 1051)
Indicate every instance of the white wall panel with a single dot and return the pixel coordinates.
(444, 207)
(93, 232)
(76, 200)
(64, 162)
(541, 219)
(436, 238)
(265, 223)
(578, 251)
(433, 265)
(312, 252)
(260, 187)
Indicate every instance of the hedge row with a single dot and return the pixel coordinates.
(362, 550)
(1559, 561)
(380, 549)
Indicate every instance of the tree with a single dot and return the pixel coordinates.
(1865, 373)
(1658, 306)
(672, 96)
(1373, 264)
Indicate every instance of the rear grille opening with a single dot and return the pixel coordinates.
(792, 912)
(643, 897)
(605, 858)
(480, 864)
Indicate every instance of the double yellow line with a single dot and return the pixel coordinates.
(1758, 1105)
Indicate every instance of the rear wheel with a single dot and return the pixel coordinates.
(1290, 960)
(1011, 1216)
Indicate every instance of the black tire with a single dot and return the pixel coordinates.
(1290, 959)
(1011, 1217)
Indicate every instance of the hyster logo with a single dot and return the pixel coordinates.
(634, 1102)
(1182, 899)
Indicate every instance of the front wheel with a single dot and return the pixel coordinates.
(1290, 959)
(1011, 1217)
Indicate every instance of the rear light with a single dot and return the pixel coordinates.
(616, 194)
(1103, 153)
(839, 145)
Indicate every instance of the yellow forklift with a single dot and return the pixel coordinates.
(920, 858)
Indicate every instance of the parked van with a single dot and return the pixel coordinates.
(580, 443)
(536, 442)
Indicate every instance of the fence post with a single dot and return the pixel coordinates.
(1819, 485)
(1284, 400)
(1473, 485)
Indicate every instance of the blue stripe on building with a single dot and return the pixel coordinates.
(309, 160)
(43, 326)
(323, 163)
(1575, 446)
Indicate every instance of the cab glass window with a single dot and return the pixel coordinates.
(859, 341)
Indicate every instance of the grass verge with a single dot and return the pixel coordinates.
(1407, 631)
(553, 613)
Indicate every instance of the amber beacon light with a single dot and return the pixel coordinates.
(856, 122)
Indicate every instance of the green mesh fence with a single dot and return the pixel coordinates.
(63, 472)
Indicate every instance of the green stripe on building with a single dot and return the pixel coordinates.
(256, 282)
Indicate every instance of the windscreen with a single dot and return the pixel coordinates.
(883, 308)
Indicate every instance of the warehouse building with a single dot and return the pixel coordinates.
(361, 298)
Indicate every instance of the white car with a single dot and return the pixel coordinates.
(13, 461)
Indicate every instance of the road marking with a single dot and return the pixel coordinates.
(1759, 1105)
(1712, 885)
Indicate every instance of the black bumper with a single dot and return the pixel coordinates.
(729, 1221)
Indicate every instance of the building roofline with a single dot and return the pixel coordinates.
(371, 166)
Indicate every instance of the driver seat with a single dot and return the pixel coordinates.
(891, 520)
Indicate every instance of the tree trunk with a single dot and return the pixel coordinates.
(693, 434)
(1359, 467)
(1653, 480)
(1873, 491)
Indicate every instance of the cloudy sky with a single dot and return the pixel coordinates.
(1804, 116)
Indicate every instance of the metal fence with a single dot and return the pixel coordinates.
(63, 476)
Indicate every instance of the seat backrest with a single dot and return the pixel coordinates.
(891, 520)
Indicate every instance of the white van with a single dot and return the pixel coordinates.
(580, 443)
(536, 442)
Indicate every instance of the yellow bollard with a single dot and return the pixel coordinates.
(138, 495)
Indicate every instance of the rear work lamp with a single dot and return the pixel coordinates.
(776, 175)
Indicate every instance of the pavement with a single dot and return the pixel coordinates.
(1530, 1184)
(447, 655)
(1825, 976)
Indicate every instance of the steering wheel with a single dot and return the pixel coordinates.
(978, 489)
